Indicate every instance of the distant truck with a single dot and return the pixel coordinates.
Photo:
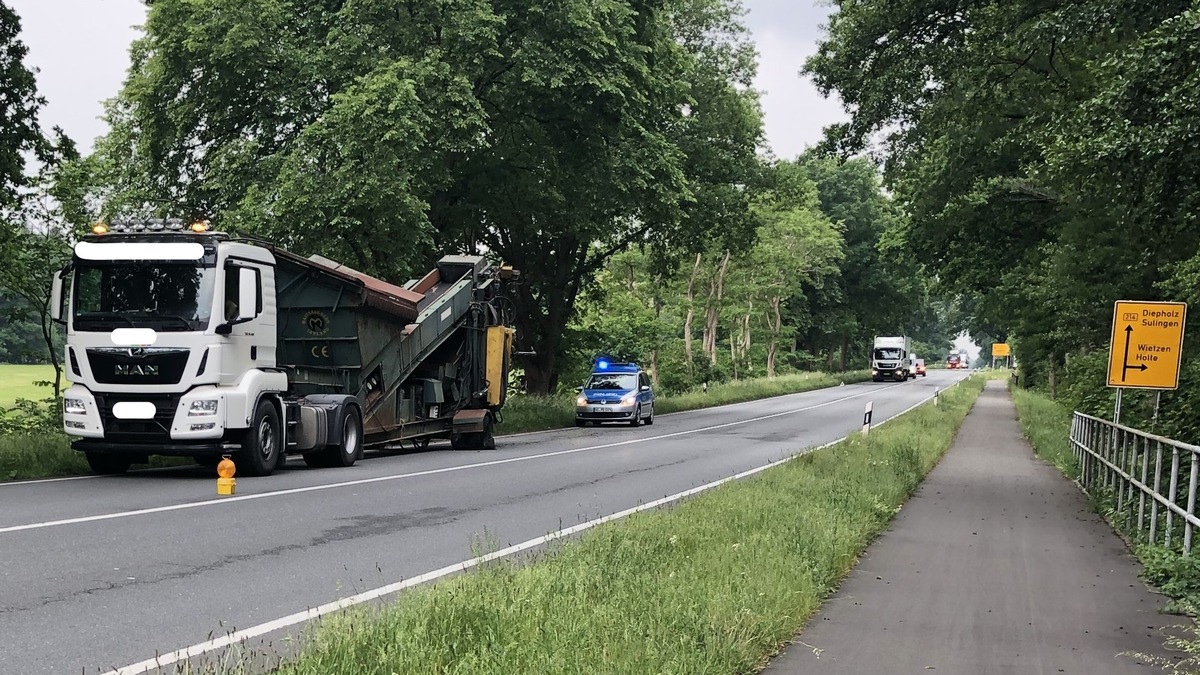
(954, 361)
(186, 342)
(891, 359)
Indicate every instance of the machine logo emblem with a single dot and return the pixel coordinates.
(316, 322)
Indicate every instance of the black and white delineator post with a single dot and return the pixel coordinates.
(867, 419)
(936, 391)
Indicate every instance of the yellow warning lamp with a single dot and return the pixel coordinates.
(199, 226)
(100, 228)
(226, 484)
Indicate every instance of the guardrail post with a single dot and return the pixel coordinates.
(1158, 457)
(1145, 477)
(1172, 497)
(1191, 507)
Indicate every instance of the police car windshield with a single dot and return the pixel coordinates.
(623, 381)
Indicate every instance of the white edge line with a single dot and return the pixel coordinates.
(350, 601)
(521, 434)
(428, 472)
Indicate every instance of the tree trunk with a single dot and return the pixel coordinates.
(691, 314)
(776, 329)
(48, 336)
(716, 293)
(845, 350)
(658, 305)
(733, 354)
(1053, 377)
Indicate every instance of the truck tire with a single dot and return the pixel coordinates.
(346, 452)
(103, 464)
(261, 444)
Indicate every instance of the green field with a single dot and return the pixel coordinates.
(18, 382)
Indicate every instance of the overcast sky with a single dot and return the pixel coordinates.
(80, 48)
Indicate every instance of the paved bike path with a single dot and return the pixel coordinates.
(995, 565)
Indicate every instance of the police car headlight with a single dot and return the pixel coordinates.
(629, 399)
(581, 401)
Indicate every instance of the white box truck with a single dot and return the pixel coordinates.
(891, 359)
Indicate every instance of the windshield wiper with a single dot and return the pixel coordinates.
(187, 325)
(104, 316)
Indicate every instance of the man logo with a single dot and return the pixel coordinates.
(135, 369)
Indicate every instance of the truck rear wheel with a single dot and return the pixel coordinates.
(347, 451)
(261, 444)
(106, 465)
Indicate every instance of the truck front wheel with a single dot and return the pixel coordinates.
(105, 464)
(261, 444)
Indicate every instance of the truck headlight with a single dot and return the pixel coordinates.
(74, 406)
(202, 408)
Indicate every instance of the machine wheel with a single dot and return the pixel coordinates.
(637, 418)
(261, 444)
(485, 440)
(108, 465)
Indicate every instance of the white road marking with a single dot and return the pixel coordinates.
(15, 483)
(414, 474)
(350, 601)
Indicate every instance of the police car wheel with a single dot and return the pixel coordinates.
(580, 423)
(650, 419)
(637, 417)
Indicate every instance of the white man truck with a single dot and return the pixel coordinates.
(187, 342)
(891, 359)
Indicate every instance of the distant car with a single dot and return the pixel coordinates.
(921, 368)
(615, 392)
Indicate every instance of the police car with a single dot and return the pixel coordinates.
(615, 392)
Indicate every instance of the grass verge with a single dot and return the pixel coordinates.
(539, 413)
(1047, 425)
(17, 381)
(715, 584)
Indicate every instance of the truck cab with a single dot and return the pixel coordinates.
(615, 392)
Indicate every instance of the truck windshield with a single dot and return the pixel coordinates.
(887, 353)
(165, 296)
(622, 381)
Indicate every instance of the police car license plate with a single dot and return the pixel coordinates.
(601, 408)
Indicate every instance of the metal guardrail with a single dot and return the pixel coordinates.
(1136, 467)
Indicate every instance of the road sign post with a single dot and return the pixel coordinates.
(1146, 347)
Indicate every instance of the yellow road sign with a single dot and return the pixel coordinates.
(1147, 344)
(1000, 349)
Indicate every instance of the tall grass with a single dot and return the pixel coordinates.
(38, 455)
(1047, 425)
(539, 413)
(713, 585)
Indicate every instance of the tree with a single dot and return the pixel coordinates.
(555, 134)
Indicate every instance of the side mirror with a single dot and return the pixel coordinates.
(578, 390)
(56, 299)
(645, 387)
(247, 294)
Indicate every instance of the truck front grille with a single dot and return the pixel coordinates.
(138, 431)
(138, 366)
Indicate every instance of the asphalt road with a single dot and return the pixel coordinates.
(98, 573)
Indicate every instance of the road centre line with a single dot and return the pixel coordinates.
(366, 596)
(414, 474)
(522, 434)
